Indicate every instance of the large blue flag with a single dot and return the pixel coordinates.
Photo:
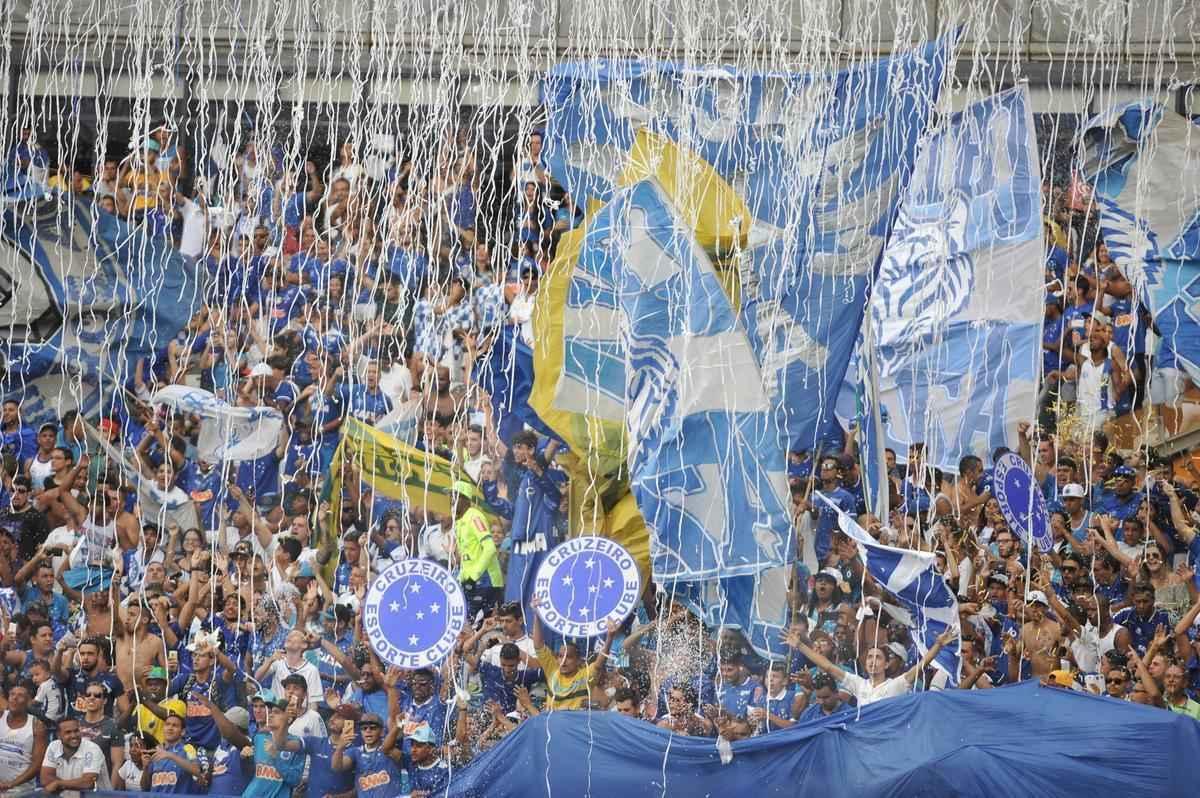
(819, 163)
(706, 461)
(1144, 160)
(87, 295)
(957, 311)
(912, 577)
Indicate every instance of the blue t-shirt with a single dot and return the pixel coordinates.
(737, 698)
(827, 519)
(1141, 632)
(1052, 333)
(167, 776)
(367, 405)
(59, 608)
(376, 775)
(816, 712)
(286, 304)
(79, 681)
(432, 712)
(504, 693)
(327, 666)
(200, 727)
(259, 477)
(780, 707)
(431, 778)
(228, 777)
(322, 778)
(1112, 504)
(275, 774)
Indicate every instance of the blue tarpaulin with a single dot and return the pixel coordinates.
(1020, 740)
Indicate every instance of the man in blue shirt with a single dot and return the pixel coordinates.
(500, 682)
(831, 487)
(736, 689)
(1142, 619)
(377, 764)
(368, 402)
(535, 511)
(1122, 502)
(175, 765)
(422, 705)
(823, 700)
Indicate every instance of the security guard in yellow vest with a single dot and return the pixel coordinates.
(479, 567)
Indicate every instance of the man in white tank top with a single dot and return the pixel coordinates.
(22, 744)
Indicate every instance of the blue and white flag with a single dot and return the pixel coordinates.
(957, 309)
(227, 432)
(819, 162)
(912, 577)
(87, 295)
(656, 334)
(1144, 162)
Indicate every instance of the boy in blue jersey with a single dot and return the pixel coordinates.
(174, 766)
(428, 773)
(377, 763)
(781, 703)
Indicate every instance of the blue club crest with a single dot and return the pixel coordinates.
(585, 583)
(413, 614)
(1021, 500)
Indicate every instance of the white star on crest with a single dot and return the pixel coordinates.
(608, 582)
(589, 562)
(584, 612)
(394, 606)
(593, 589)
(566, 580)
(420, 616)
(412, 640)
(435, 608)
(415, 587)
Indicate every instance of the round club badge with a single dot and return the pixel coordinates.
(1017, 493)
(584, 584)
(413, 613)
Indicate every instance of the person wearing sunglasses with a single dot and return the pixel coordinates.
(1116, 684)
(377, 763)
(99, 727)
(25, 522)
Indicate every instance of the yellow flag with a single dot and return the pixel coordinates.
(715, 211)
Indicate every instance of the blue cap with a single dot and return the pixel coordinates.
(1124, 471)
(423, 734)
(306, 571)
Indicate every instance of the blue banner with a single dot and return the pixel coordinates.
(817, 162)
(88, 295)
(957, 311)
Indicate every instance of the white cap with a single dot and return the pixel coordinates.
(1073, 490)
(1037, 597)
(898, 650)
(261, 370)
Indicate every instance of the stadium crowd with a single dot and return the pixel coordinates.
(229, 658)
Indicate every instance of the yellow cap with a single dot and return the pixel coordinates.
(175, 706)
(1061, 678)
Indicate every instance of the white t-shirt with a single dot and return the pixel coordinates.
(308, 724)
(525, 644)
(1092, 409)
(868, 693)
(280, 671)
(88, 758)
(195, 229)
